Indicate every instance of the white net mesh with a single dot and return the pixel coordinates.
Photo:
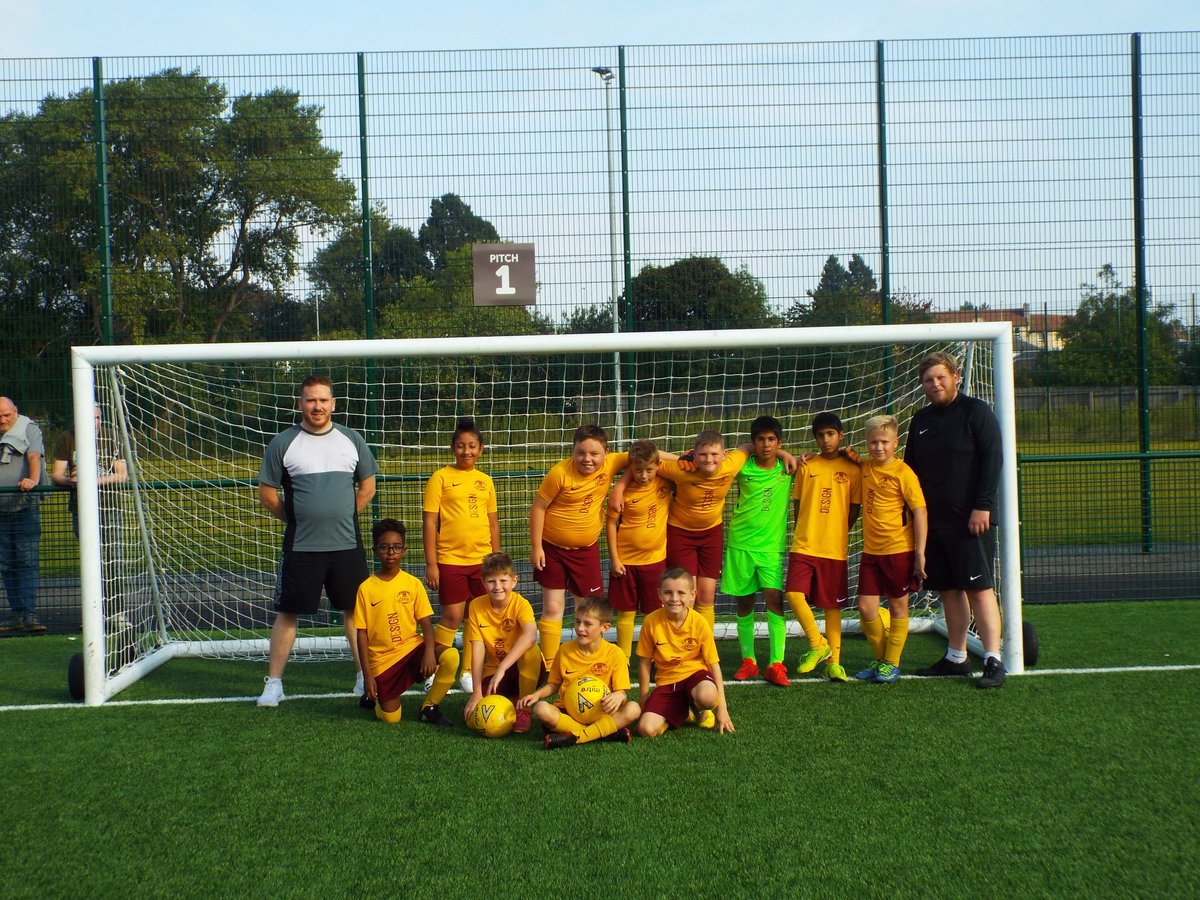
(188, 554)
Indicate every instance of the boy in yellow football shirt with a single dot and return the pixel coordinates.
(827, 494)
(637, 542)
(895, 526)
(678, 642)
(460, 526)
(589, 654)
(503, 639)
(388, 610)
(565, 522)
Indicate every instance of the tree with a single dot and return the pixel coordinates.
(849, 295)
(593, 319)
(450, 225)
(1100, 341)
(336, 273)
(208, 197)
(697, 292)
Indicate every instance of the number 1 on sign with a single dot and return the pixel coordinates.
(505, 288)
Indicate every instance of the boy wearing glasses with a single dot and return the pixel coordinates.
(390, 607)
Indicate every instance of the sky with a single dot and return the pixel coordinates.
(54, 28)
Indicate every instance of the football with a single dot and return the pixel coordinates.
(581, 699)
(494, 716)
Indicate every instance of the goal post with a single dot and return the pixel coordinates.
(179, 559)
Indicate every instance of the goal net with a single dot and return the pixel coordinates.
(181, 559)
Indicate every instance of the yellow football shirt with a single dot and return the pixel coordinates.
(389, 612)
(699, 502)
(462, 500)
(642, 524)
(825, 488)
(497, 628)
(575, 502)
(608, 664)
(889, 493)
(678, 653)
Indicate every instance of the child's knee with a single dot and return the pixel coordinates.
(650, 725)
(704, 695)
(546, 713)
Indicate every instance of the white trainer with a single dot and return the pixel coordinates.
(428, 684)
(272, 692)
(466, 682)
(359, 687)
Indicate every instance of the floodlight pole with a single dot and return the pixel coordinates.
(606, 75)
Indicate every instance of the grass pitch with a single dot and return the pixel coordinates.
(1056, 785)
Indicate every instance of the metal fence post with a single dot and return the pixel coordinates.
(1139, 281)
(100, 137)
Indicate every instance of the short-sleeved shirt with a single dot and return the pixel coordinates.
(759, 520)
(608, 664)
(389, 611)
(498, 629)
(642, 524)
(16, 469)
(890, 493)
(575, 502)
(317, 473)
(699, 502)
(677, 652)
(462, 500)
(825, 488)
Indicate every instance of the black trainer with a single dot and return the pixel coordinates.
(432, 715)
(943, 668)
(558, 741)
(620, 736)
(993, 673)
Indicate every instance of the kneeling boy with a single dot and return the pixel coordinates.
(589, 654)
(679, 643)
(388, 610)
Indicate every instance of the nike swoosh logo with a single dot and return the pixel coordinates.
(922, 431)
(456, 484)
(974, 577)
(376, 602)
(812, 475)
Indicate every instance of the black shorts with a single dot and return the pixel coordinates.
(302, 575)
(956, 560)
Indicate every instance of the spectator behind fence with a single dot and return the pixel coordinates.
(21, 459)
(110, 468)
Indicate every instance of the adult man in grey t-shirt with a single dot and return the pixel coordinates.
(326, 474)
(22, 455)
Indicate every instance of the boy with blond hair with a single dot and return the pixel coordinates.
(678, 644)
(588, 654)
(565, 522)
(895, 527)
(637, 542)
(505, 658)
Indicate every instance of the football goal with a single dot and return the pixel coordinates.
(180, 559)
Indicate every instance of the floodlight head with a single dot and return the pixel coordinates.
(604, 72)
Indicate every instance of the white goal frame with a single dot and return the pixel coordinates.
(99, 686)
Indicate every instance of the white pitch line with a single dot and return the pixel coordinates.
(1115, 670)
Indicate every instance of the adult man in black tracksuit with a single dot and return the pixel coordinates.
(954, 447)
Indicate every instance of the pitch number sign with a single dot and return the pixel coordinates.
(503, 274)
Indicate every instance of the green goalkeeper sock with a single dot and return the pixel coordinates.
(745, 630)
(777, 635)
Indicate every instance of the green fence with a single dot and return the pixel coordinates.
(1047, 181)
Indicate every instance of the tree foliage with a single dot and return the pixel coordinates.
(1100, 340)
(208, 197)
(450, 225)
(697, 292)
(849, 295)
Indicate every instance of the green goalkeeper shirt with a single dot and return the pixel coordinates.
(759, 520)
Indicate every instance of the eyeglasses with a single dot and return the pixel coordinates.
(390, 548)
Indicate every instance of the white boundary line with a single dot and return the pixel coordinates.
(799, 682)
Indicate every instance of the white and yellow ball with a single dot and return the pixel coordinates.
(581, 699)
(493, 716)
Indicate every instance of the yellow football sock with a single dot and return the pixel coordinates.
(625, 631)
(804, 615)
(833, 634)
(885, 616)
(550, 636)
(567, 725)
(443, 635)
(390, 717)
(443, 677)
(709, 613)
(873, 631)
(896, 637)
(529, 667)
(601, 728)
